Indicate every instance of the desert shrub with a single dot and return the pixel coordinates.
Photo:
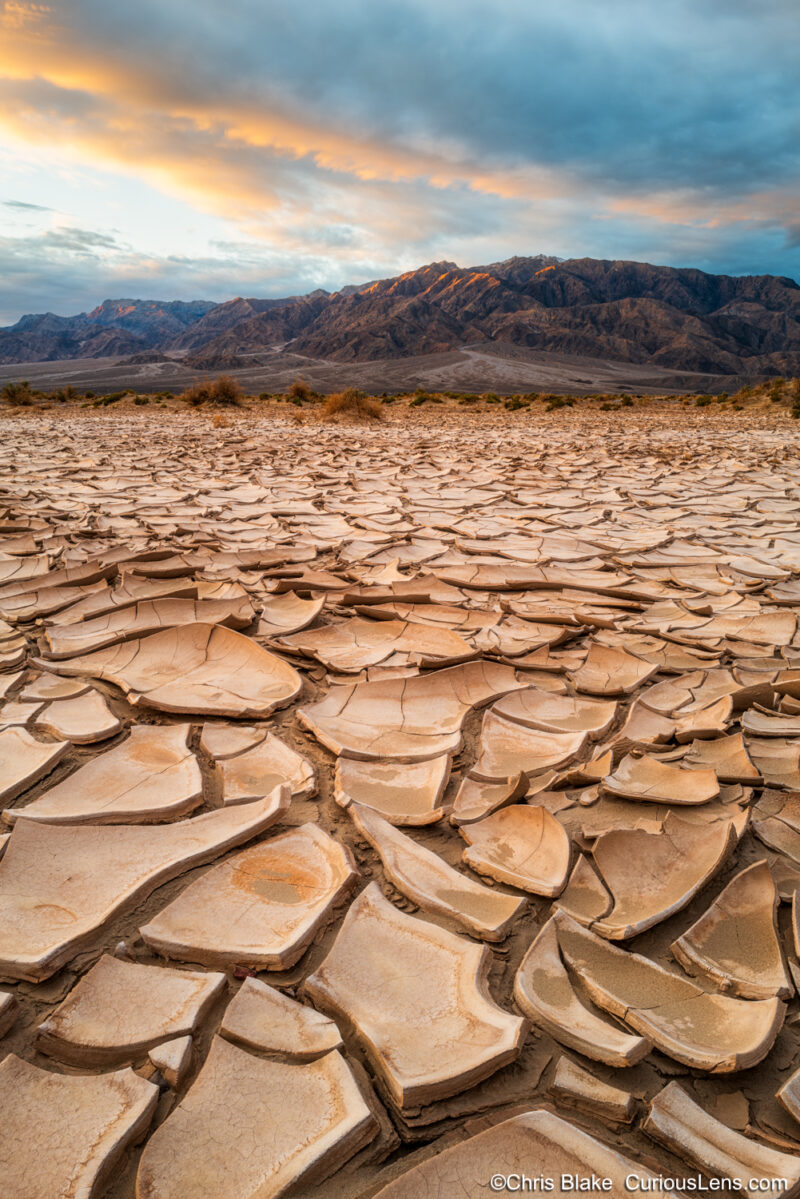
(265, 395)
(88, 395)
(795, 399)
(515, 403)
(424, 397)
(195, 395)
(354, 403)
(139, 400)
(300, 392)
(19, 394)
(703, 401)
(626, 402)
(224, 391)
(491, 397)
(64, 394)
(607, 406)
(387, 399)
(469, 398)
(555, 402)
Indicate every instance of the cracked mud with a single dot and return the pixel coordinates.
(386, 808)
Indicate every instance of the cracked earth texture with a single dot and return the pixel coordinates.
(500, 725)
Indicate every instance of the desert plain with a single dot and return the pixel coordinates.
(397, 808)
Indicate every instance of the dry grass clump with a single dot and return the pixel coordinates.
(300, 392)
(195, 395)
(224, 391)
(421, 396)
(66, 395)
(352, 403)
(19, 395)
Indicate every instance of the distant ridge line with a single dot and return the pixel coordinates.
(666, 318)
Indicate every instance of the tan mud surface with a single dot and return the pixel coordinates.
(662, 545)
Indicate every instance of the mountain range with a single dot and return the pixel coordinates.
(655, 317)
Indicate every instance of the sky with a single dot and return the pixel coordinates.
(201, 149)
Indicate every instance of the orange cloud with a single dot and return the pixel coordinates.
(145, 113)
(701, 211)
(15, 15)
(265, 167)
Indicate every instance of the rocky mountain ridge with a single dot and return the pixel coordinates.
(663, 317)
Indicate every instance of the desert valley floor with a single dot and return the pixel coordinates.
(401, 809)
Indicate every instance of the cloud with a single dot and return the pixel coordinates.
(23, 207)
(81, 241)
(69, 273)
(626, 91)
(362, 136)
